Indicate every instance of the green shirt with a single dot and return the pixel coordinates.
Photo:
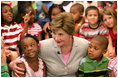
(90, 68)
(4, 71)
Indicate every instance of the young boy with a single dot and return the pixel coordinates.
(93, 27)
(77, 11)
(95, 63)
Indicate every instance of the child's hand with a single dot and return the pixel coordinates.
(7, 51)
(46, 26)
(27, 18)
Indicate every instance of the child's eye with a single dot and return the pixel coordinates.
(95, 48)
(32, 45)
(24, 47)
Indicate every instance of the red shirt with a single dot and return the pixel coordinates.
(113, 37)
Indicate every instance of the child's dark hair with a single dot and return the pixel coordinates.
(27, 35)
(79, 6)
(55, 6)
(93, 8)
(2, 5)
(22, 11)
(102, 39)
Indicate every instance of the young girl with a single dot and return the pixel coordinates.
(53, 11)
(32, 64)
(109, 18)
(77, 11)
(93, 27)
(27, 14)
(10, 32)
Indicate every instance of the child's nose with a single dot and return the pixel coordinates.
(29, 48)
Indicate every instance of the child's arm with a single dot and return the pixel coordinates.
(39, 37)
(26, 21)
(77, 28)
(111, 73)
(22, 65)
(46, 26)
(44, 70)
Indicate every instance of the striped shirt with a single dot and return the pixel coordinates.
(34, 29)
(113, 65)
(88, 33)
(11, 34)
(90, 68)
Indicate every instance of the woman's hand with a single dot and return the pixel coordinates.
(17, 70)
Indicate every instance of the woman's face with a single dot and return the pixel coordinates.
(61, 37)
(108, 21)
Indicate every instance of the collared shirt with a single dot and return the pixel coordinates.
(11, 34)
(91, 68)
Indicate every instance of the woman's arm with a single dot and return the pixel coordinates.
(17, 70)
(22, 65)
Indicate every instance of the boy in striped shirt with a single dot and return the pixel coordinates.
(95, 63)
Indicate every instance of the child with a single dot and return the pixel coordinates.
(53, 11)
(27, 14)
(4, 68)
(77, 11)
(109, 18)
(10, 31)
(112, 66)
(95, 63)
(93, 27)
(32, 64)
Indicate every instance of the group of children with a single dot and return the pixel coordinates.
(99, 29)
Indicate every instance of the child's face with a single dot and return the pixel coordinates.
(55, 11)
(92, 17)
(75, 13)
(29, 47)
(7, 14)
(108, 21)
(95, 50)
(30, 9)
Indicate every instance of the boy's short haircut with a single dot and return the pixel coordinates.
(92, 8)
(103, 40)
(79, 6)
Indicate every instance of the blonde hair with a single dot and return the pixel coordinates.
(65, 21)
(110, 11)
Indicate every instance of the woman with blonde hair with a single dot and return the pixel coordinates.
(63, 52)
